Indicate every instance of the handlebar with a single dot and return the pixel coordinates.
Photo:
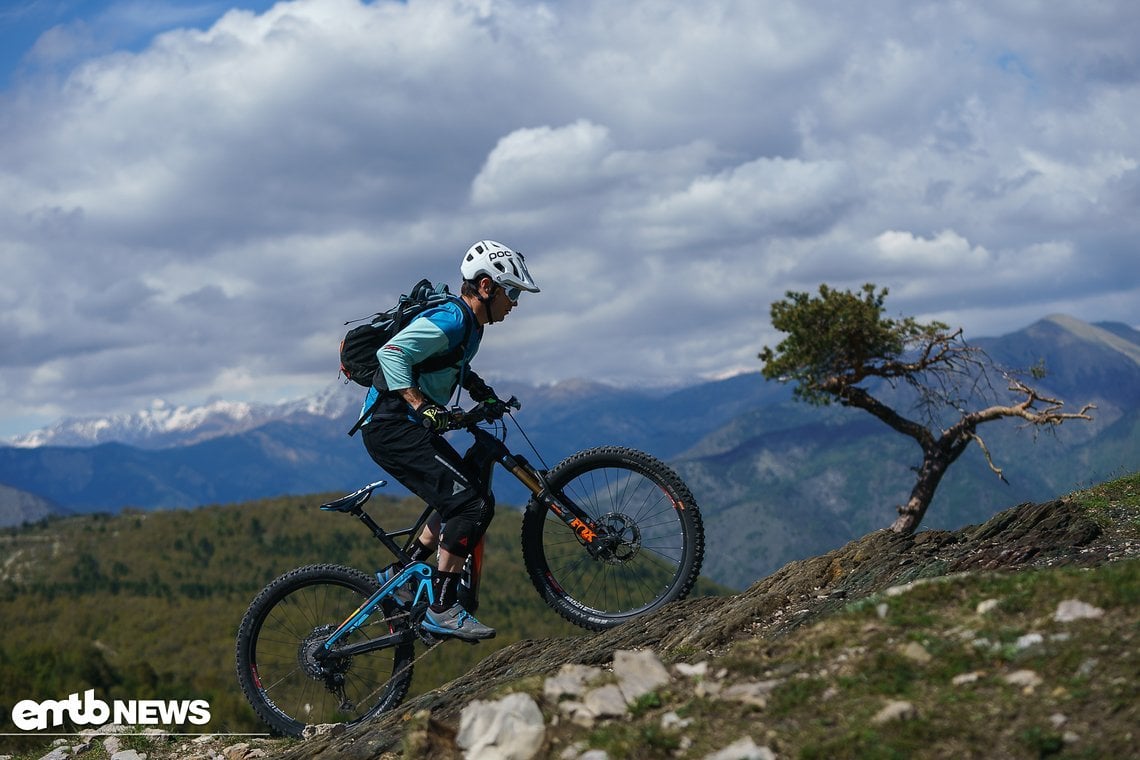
(459, 418)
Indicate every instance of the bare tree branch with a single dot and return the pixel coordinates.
(839, 340)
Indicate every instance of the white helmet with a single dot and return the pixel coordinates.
(501, 264)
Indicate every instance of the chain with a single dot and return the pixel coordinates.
(431, 647)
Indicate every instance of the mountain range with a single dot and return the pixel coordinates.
(777, 480)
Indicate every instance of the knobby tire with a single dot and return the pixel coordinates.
(282, 627)
(663, 538)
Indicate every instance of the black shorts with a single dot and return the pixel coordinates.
(430, 467)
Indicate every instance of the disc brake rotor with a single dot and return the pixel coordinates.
(624, 537)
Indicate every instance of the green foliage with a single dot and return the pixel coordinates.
(646, 702)
(836, 339)
(1042, 742)
(146, 605)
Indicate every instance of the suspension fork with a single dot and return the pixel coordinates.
(535, 481)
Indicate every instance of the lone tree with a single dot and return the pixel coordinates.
(838, 342)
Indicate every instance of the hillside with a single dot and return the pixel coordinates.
(1013, 638)
(146, 605)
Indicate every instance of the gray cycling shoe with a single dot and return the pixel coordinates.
(458, 622)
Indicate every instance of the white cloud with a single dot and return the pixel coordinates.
(752, 201)
(945, 252)
(205, 209)
(543, 165)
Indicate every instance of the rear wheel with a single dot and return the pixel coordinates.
(652, 538)
(282, 634)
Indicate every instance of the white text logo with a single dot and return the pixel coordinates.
(29, 715)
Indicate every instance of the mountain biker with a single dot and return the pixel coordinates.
(403, 435)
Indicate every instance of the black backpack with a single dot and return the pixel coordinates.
(358, 361)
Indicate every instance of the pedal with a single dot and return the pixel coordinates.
(415, 617)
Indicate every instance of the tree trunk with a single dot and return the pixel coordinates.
(935, 462)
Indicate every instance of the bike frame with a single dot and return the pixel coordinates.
(486, 450)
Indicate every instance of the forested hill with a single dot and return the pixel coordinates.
(1012, 638)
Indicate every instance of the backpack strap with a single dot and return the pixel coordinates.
(432, 364)
(367, 415)
(443, 361)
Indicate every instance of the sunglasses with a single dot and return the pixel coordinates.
(513, 294)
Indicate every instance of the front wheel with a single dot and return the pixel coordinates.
(652, 533)
(278, 648)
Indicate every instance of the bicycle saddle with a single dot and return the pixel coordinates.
(354, 499)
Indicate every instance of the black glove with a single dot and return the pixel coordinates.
(435, 418)
(477, 389)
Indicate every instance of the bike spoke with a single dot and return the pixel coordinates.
(646, 523)
(298, 688)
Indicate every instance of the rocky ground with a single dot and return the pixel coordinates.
(1015, 638)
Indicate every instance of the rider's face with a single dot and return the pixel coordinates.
(502, 304)
(496, 299)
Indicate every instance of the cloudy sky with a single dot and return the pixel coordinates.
(194, 196)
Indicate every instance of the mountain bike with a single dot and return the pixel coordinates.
(608, 535)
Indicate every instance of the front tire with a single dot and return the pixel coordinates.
(655, 559)
(282, 629)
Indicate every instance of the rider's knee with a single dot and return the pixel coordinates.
(465, 527)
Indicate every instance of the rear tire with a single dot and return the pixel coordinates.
(646, 503)
(285, 624)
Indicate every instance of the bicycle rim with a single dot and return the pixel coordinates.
(657, 559)
(283, 629)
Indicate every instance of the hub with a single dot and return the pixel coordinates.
(623, 538)
(307, 655)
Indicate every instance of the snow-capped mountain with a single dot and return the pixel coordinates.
(164, 425)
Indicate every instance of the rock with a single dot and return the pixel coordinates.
(112, 744)
(708, 689)
(605, 702)
(895, 711)
(129, 754)
(1074, 609)
(743, 749)
(1026, 679)
(1029, 640)
(700, 670)
(915, 652)
(570, 682)
(235, 751)
(638, 673)
(672, 720)
(965, 678)
(1088, 667)
(324, 729)
(753, 692)
(59, 753)
(511, 728)
(987, 606)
